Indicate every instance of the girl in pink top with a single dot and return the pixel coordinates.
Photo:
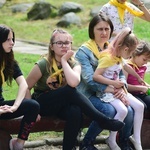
(138, 62)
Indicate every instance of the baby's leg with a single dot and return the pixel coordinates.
(120, 115)
(138, 117)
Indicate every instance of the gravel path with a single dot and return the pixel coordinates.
(37, 48)
(46, 147)
(48, 144)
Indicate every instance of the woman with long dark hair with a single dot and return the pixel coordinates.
(9, 109)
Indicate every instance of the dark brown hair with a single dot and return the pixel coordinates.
(143, 48)
(95, 20)
(6, 59)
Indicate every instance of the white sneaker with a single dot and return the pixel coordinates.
(137, 145)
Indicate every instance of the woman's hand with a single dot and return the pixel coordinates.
(5, 109)
(68, 55)
(125, 101)
(120, 94)
(38, 118)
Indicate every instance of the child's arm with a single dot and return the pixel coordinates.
(99, 78)
(131, 71)
(146, 84)
(137, 88)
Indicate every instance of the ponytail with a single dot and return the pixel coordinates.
(124, 38)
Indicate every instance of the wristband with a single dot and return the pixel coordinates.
(148, 92)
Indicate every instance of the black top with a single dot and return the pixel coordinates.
(17, 73)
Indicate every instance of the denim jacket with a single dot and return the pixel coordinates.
(89, 62)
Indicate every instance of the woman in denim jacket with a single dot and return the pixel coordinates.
(100, 30)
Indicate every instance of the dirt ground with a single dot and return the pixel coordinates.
(56, 144)
(47, 147)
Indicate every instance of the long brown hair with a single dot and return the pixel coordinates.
(6, 59)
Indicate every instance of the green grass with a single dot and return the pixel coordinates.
(26, 62)
(31, 30)
(40, 30)
(147, 77)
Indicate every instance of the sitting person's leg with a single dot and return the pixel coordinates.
(94, 129)
(29, 109)
(76, 98)
(138, 119)
(73, 117)
(125, 132)
(145, 99)
(120, 115)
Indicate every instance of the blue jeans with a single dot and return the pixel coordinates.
(107, 109)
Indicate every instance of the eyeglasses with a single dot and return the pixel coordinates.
(60, 43)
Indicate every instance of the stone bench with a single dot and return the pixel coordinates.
(8, 127)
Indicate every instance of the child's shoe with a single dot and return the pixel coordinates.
(137, 146)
